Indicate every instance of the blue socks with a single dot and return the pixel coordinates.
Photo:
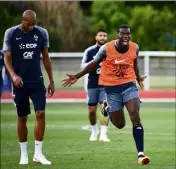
(138, 134)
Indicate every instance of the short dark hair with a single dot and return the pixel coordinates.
(100, 30)
(122, 26)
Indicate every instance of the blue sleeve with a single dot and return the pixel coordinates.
(7, 45)
(45, 35)
(101, 55)
(46, 39)
(85, 59)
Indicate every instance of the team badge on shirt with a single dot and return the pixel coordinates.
(35, 37)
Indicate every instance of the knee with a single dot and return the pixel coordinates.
(22, 119)
(92, 111)
(40, 115)
(135, 119)
(118, 125)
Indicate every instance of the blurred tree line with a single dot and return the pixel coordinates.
(72, 24)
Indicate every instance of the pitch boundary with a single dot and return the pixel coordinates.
(88, 128)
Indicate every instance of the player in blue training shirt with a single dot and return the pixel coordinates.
(96, 93)
(1, 66)
(23, 45)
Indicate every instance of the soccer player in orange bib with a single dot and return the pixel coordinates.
(119, 73)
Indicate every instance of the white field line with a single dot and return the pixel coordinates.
(154, 100)
(88, 128)
(112, 129)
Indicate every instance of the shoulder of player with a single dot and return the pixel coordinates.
(90, 49)
(43, 31)
(11, 30)
(103, 48)
(108, 44)
(134, 44)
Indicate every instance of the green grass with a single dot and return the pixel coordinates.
(67, 145)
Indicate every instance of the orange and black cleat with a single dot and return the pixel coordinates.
(144, 160)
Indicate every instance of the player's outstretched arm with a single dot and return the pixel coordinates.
(139, 78)
(88, 68)
(73, 78)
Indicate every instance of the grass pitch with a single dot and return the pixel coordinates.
(67, 144)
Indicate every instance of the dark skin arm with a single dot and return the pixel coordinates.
(18, 82)
(139, 78)
(92, 65)
(73, 78)
(48, 67)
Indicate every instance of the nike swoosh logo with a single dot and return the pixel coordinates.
(120, 61)
(18, 38)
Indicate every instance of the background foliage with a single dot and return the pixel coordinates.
(72, 25)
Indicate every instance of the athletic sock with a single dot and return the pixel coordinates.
(104, 130)
(140, 154)
(23, 147)
(138, 134)
(38, 147)
(94, 128)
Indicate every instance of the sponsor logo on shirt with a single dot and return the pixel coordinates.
(28, 55)
(28, 46)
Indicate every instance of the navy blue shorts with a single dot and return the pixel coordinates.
(95, 96)
(21, 98)
(118, 95)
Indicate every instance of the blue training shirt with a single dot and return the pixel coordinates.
(26, 49)
(93, 76)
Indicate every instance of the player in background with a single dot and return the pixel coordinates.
(119, 73)
(95, 92)
(23, 45)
